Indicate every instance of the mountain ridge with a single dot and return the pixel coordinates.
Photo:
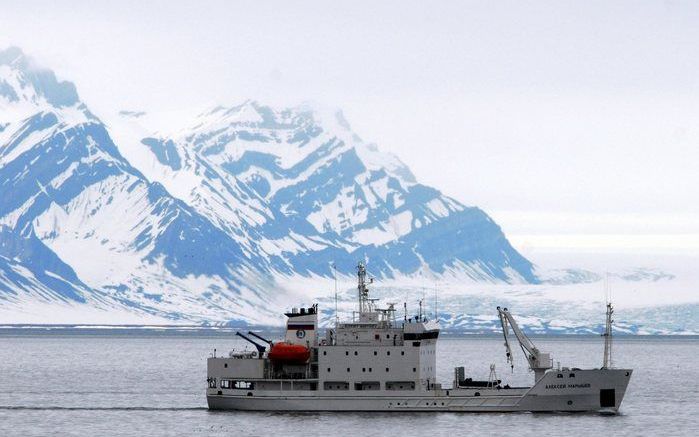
(196, 224)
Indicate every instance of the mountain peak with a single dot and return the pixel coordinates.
(14, 57)
(22, 79)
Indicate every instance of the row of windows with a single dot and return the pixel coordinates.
(375, 353)
(238, 385)
(376, 336)
(364, 369)
(369, 385)
(560, 375)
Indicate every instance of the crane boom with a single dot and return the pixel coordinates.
(505, 331)
(538, 361)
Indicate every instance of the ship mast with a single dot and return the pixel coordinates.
(362, 290)
(607, 361)
(335, 276)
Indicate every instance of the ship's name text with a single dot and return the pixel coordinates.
(555, 386)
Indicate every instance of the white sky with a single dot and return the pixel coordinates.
(572, 123)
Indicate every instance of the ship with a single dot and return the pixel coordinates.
(375, 362)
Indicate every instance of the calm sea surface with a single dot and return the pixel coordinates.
(150, 383)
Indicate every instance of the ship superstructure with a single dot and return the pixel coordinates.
(375, 362)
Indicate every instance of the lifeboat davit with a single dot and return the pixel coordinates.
(289, 353)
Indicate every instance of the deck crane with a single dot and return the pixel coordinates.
(538, 361)
(260, 349)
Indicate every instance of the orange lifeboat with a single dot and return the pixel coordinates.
(289, 353)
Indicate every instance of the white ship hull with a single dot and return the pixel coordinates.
(583, 393)
(376, 363)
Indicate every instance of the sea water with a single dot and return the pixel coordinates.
(150, 383)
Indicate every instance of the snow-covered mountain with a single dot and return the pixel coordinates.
(239, 212)
(204, 222)
(299, 188)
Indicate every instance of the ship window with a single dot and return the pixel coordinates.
(560, 375)
(388, 335)
(400, 385)
(244, 385)
(348, 369)
(572, 375)
(370, 369)
(372, 385)
(375, 353)
(225, 365)
(402, 352)
(414, 369)
(325, 352)
(355, 353)
(346, 352)
(387, 369)
(376, 336)
(212, 382)
(388, 352)
(238, 385)
(328, 369)
(363, 369)
(334, 385)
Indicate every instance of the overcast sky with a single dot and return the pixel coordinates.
(561, 118)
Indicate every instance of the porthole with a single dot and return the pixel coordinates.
(388, 352)
(387, 369)
(477, 393)
(355, 353)
(363, 369)
(570, 402)
(402, 352)
(225, 365)
(328, 369)
(348, 369)
(325, 352)
(375, 353)
(346, 352)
